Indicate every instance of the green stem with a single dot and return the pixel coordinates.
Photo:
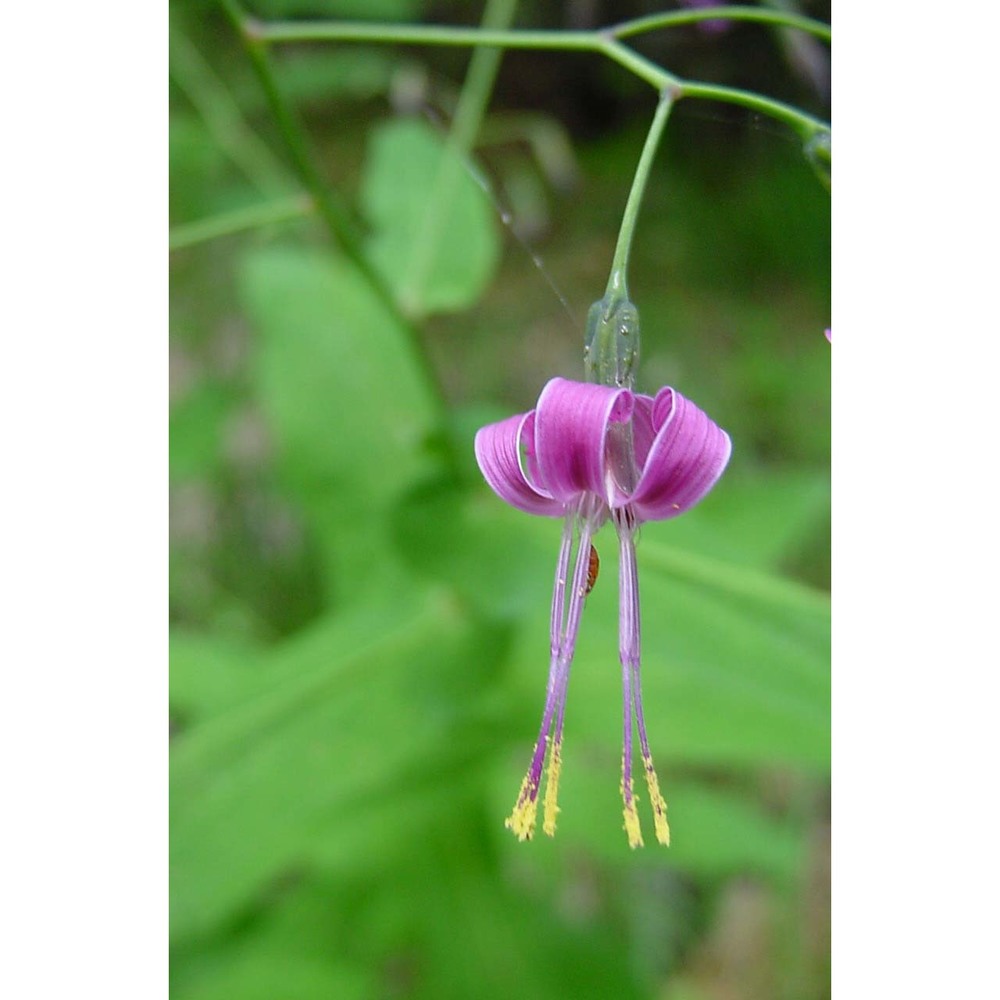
(805, 125)
(331, 212)
(605, 41)
(239, 220)
(654, 22)
(421, 34)
(334, 215)
(472, 103)
(656, 76)
(617, 281)
(435, 34)
(611, 340)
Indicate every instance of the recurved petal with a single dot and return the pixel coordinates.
(643, 432)
(686, 458)
(498, 454)
(571, 426)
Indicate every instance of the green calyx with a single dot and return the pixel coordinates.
(611, 343)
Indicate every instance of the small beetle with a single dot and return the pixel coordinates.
(593, 568)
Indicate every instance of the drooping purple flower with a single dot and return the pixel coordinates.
(591, 453)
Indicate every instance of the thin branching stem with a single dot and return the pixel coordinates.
(329, 208)
(472, 103)
(760, 15)
(605, 41)
(240, 220)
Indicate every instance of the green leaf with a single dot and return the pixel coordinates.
(344, 720)
(758, 520)
(437, 260)
(718, 833)
(250, 974)
(330, 74)
(196, 424)
(345, 396)
(484, 936)
(476, 545)
(337, 374)
(735, 661)
(208, 673)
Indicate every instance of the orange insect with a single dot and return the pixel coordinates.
(593, 568)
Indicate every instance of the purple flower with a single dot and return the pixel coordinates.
(590, 453)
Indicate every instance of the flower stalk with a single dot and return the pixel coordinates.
(604, 41)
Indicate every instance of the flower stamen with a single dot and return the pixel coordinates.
(630, 656)
(660, 824)
(552, 788)
(632, 827)
(565, 623)
(522, 820)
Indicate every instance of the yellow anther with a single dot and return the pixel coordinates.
(658, 802)
(632, 827)
(552, 788)
(522, 820)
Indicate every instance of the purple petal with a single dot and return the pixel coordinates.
(498, 455)
(643, 431)
(685, 460)
(571, 425)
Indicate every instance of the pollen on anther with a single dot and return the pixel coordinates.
(658, 803)
(551, 807)
(522, 820)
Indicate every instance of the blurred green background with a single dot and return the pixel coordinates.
(360, 628)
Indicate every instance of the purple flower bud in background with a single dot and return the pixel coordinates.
(713, 26)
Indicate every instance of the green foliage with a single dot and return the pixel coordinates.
(370, 10)
(402, 178)
(360, 628)
(346, 400)
(327, 729)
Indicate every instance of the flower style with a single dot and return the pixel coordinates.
(589, 453)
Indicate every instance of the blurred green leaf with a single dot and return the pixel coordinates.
(200, 173)
(208, 673)
(337, 375)
(338, 726)
(357, 74)
(401, 174)
(345, 397)
(757, 520)
(719, 833)
(196, 429)
(735, 661)
(255, 974)
(302, 936)
(486, 937)
(476, 545)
